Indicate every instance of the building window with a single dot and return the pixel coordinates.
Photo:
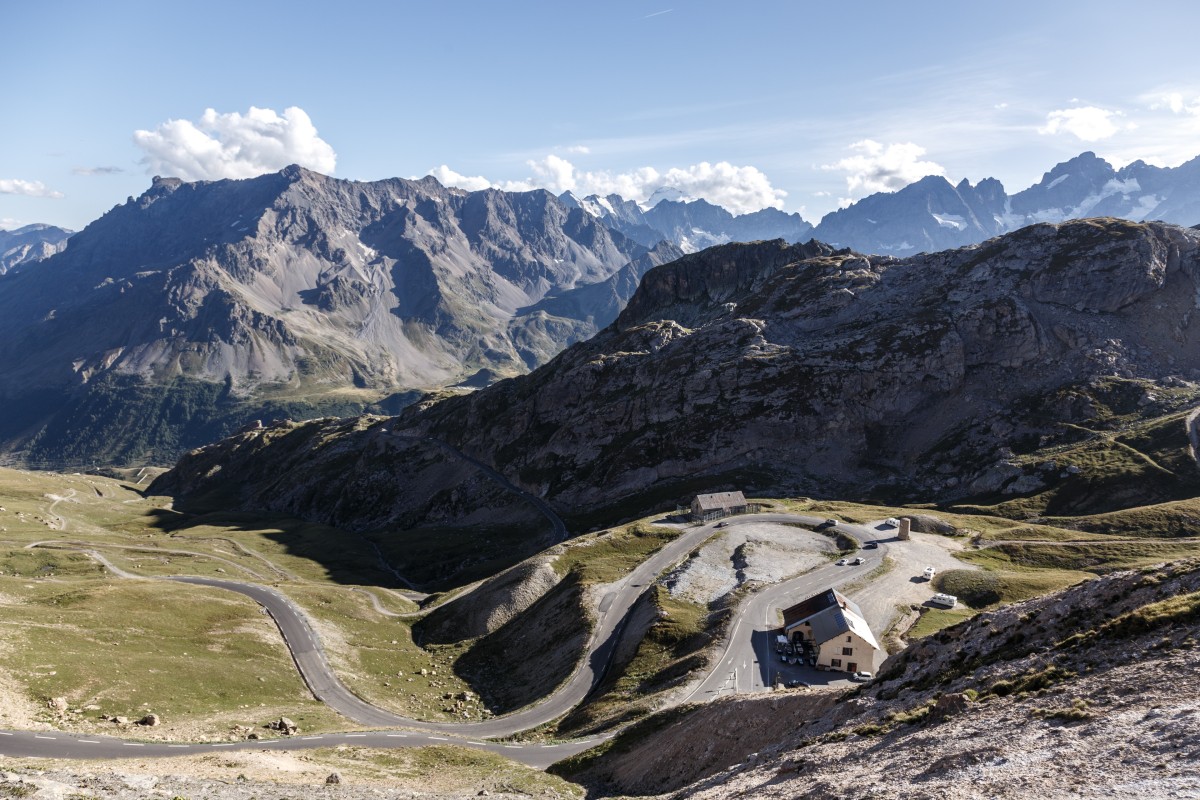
(849, 638)
(835, 662)
(847, 651)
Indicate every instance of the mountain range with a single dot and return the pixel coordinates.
(183, 314)
(186, 312)
(30, 243)
(800, 370)
(928, 215)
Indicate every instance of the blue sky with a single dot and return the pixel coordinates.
(800, 105)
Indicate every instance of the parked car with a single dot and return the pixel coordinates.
(831, 522)
(861, 675)
(929, 573)
(870, 545)
(841, 562)
(722, 524)
(893, 522)
(857, 561)
(795, 684)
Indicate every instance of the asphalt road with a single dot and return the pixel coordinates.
(748, 663)
(745, 666)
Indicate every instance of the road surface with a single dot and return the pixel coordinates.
(745, 665)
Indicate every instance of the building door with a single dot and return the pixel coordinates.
(852, 667)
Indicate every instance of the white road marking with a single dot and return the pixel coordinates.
(310, 738)
(132, 744)
(355, 735)
(225, 744)
(480, 744)
(397, 735)
(439, 738)
(177, 745)
(88, 741)
(513, 746)
(2, 733)
(42, 737)
(549, 745)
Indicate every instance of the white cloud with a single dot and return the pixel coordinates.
(8, 223)
(97, 170)
(579, 149)
(235, 146)
(448, 177)
(1176, 103)
(740, 190)
(27, 188)
(879, 168)
(1088, 123)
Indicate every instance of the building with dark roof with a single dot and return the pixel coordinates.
(830, 627)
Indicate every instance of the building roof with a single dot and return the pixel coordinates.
(719, 500)
(829, 614)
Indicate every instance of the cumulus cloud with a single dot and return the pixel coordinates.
(235, 145)
(884, 168)
(97, 170)
(27, 188)
(739, 189)
(1088, 123)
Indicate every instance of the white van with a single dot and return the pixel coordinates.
(943, 600)
(929, 573)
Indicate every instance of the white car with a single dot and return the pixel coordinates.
(893, 522)
(861, 675)
(929, 573)
(841, 562)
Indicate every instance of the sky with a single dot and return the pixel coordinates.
(798, 105)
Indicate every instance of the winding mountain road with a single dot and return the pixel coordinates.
(746, 644)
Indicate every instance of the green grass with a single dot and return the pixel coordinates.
(368, 651)
(935, 619)
(610, 555)
(191, 654)
(670, 650)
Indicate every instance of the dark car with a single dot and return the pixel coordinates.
(870, 545)
(794, 684)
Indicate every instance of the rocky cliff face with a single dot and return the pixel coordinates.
(810, 370)
(30, 244)
(288, 294)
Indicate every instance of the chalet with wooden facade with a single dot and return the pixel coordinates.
(707, 507)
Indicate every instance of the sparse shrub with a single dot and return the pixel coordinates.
(1077, 712)
(971, 695)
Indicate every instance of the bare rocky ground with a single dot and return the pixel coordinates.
(272, 775)
(767, 552)
(1088, 692)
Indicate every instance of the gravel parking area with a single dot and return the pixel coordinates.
(761, 551)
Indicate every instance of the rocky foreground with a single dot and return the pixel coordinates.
(1092, 691)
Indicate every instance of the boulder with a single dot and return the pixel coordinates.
(948, 705)
(121, 720)
(333, 778)
(150, 720)
(927, 523)
(59, 704)
(284, 726)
